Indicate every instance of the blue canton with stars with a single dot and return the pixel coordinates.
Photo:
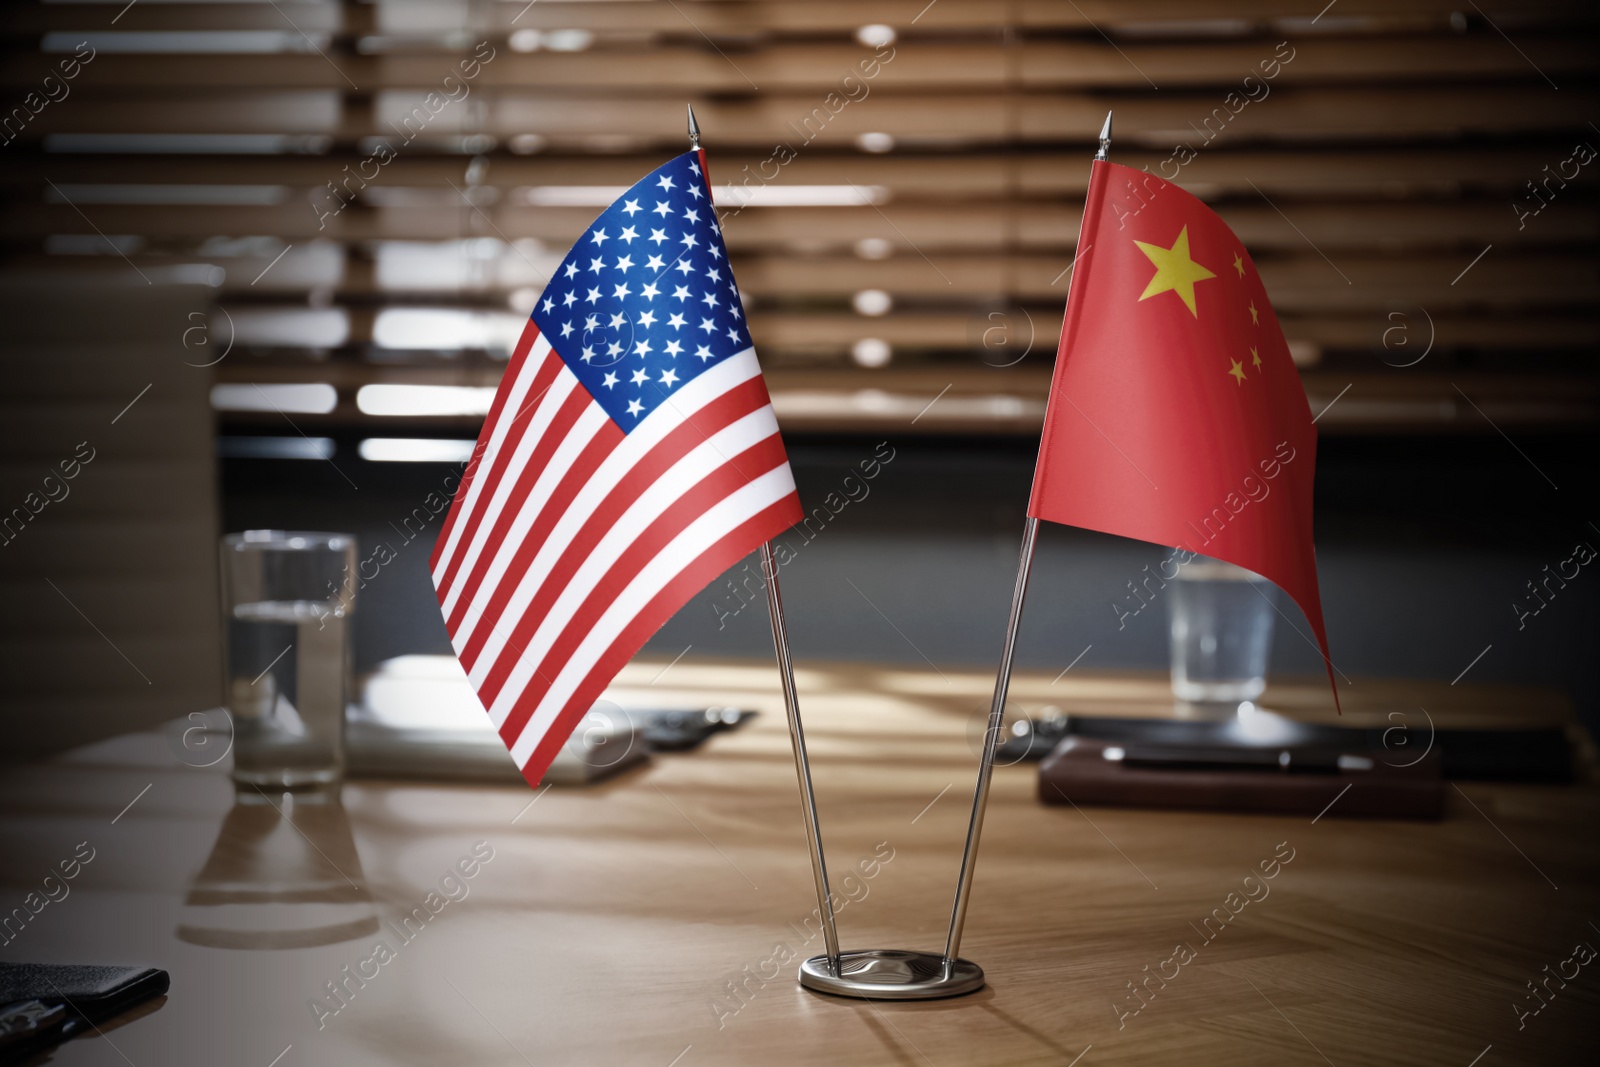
(645, 301)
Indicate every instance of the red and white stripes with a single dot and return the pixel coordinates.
(571, 542)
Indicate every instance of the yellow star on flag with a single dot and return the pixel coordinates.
(1238, 264)
(1255, 357)
(1174, 270)
(1238, 371)
(1255, 316)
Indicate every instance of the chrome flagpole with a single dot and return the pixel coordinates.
(797, 736)
(997, 709)
(875, 974)
(802, 765)
(991, 739)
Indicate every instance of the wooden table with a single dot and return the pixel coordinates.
(650, 919)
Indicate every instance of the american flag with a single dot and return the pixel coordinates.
(630, 456)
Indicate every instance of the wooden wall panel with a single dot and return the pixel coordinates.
(111, 586)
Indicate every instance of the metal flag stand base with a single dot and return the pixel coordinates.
(889, 973)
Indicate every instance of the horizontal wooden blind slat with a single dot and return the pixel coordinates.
(853, 71)
(1299, 115)
(907, 228)
(1011, 400)
(998, 175)
(1035, 325)
(746, 19)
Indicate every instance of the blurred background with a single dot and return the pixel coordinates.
(263, 264)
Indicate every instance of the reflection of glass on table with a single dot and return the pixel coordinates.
(1221, 632)
(287, 599)
(283, 873)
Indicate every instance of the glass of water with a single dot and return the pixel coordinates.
(287, 601)
(1221, 632)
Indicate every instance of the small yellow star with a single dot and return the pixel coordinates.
(1255, 357)
(1238, 265)
(1175, 271)
(1238, 371)
(1255, 316)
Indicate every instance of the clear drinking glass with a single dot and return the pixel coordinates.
(1221, 632)
(287, 601)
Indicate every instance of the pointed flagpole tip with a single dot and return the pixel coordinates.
(1105, 139)
(694, 129)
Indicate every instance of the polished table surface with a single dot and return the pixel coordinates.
(656, 918)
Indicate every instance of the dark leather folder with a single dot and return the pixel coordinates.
(42, 1004)
(1284, 781)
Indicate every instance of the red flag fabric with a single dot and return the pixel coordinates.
(1176, 415)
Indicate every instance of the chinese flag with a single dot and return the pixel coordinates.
(1176, 414)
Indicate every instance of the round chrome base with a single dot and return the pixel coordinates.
(891, 974)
